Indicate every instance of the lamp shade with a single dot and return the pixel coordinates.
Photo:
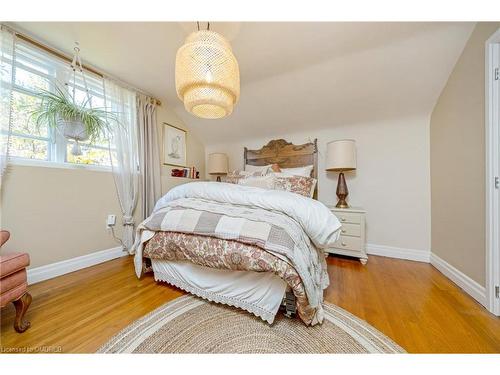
(217, 163)
(207, 76)
(341, 155)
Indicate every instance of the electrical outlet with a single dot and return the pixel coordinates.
(111, 221)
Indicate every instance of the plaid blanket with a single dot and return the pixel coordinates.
(186, 220)
(273, 232)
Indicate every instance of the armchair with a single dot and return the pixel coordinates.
(13, 283)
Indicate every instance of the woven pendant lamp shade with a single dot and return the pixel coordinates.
(207, 76)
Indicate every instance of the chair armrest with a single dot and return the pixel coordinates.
(4, 237)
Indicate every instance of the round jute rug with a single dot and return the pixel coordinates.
(192, 325)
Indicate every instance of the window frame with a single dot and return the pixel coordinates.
(51, 147)
(57, 144)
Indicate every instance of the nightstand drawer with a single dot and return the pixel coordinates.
(350, 243)
(349, 217)
(352, 233)
(351, 230)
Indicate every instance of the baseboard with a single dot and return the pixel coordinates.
(471, 287)
(49, 271)
(463, 281)
(398, 252)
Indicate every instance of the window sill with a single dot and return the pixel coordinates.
(51, 164)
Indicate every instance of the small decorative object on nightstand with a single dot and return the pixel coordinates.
(217, 164)
(341, 157)
(352, 234)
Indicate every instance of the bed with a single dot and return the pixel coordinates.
(245, 246)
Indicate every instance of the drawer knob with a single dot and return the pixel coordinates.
(342, 219)
(344, 244)
(343, 231)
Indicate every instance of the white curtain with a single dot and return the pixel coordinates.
(149, 156)
(7, 40)
(124, 160)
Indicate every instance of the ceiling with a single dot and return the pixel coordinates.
(294, 76)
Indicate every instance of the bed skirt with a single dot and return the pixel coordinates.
(259, 293)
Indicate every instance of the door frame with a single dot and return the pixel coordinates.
(492, 137)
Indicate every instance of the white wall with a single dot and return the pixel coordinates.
(195, 150)
(392, 181)
(55, 214)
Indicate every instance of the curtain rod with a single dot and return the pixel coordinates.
(65, 57)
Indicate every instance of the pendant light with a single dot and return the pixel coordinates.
(207, 76)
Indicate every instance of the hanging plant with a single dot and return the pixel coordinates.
(79, 122)
(75, 121)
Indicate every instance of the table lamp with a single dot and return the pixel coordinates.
(217, 164)
(341, 157)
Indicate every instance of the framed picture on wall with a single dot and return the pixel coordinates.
(174, 145)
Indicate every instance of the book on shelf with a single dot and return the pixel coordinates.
(190, 172)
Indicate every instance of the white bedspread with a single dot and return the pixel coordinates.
(314, 217)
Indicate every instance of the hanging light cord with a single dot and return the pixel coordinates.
(198, 25)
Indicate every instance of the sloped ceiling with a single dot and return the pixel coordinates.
(294, 76)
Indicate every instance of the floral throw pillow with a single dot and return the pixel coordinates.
(296, 184)
(235, 176)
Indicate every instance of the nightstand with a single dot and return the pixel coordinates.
(352, 234)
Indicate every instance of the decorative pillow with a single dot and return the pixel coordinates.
(235, 176)
(264, 182)
(262, 169)
(295, 184)
(301, 171)
(256, 168)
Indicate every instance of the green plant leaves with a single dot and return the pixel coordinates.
(59, 105)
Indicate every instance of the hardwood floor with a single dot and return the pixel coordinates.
(410, 302)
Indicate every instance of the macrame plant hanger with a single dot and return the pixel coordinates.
(75, 130)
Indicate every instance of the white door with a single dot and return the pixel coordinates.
(493, 173)
(496, 103)
(493, 162)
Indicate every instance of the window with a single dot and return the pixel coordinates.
(35, 69)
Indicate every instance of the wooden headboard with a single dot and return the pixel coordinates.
(286, 155)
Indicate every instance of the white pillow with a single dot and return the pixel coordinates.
(300, 171)
(264, 169)
(264, 182)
